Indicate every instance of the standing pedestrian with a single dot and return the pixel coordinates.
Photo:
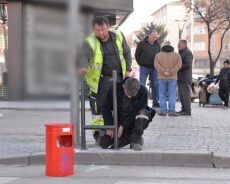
(101, 53)
(224, 85)
(145, 55)
(167, 63)
(185, 78)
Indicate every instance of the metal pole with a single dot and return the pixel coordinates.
(115, 109)
(180, 33)
(192, 27)
(83, 138)
(73, 25)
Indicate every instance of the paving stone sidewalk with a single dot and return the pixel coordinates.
(22, 132)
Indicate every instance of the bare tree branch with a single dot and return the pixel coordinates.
(221, 42)
(215, 14)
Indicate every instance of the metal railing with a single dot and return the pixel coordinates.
(85, 127)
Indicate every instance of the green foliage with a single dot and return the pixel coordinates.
(148, 28)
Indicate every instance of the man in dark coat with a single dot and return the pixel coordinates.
(224, 85)
(185, 78)
(133, 115)
(145, 55)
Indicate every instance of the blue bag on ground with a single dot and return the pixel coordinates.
(215, 99)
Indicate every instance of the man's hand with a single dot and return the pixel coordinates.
(82, 71)
(128, 74)
(110, 133)
(120, 131)
(167, 73)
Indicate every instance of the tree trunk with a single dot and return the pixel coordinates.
(212, 66)
(5, 35)
(209, 50)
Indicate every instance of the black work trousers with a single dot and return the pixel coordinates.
(184, 89)
(224, 94)
(97, 100)
(133, 134)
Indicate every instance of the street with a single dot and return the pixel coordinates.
(58, 60)
(89, 174)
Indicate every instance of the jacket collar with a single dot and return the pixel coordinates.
(167, 48)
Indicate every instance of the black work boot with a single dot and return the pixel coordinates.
(185, 113)
(136, 146)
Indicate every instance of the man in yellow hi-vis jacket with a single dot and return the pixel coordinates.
(101, 53)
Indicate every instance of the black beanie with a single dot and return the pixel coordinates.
(226, 61)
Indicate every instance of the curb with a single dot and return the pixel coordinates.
(221, 160)
(145, 158)
(134, 158)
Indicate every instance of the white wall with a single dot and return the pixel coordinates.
(175, 12)
(167, 15)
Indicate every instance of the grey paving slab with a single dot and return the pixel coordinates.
(22, 132)
(38, 105)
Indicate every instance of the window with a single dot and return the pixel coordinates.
(201, 63)
(199, 30)
(226, 47)
(199, 46)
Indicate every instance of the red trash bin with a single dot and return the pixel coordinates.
(59, 149)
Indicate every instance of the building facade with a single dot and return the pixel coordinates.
(178, 20)
(199, 35)
(173, 16)
(37, 53)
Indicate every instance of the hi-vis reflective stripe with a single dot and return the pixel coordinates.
(97, 116)
(96, 66)
(123, 61)
(142, 116)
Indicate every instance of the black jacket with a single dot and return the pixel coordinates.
(224, 77)
(145, 52)
(185, 72)
(127, 108)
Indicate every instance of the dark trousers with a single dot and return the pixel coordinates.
(104, 86)
(97, 100)
(224, 94)
(133, 134)
(184, 89)
(128, 136)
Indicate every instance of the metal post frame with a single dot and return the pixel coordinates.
(85, 127)
(115, 109)
(83, 138)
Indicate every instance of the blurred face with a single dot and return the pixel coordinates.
(101, 31)
(181, 46)
(226, 65)
(153, 37)
(127, 94)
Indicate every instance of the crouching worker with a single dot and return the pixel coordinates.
(133, 115)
